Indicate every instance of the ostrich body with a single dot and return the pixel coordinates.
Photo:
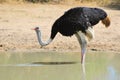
(78, 21)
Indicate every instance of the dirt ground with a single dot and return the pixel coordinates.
(17, 20)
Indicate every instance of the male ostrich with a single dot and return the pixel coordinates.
(78, 21)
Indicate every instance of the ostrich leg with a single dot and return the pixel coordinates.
(83, 43)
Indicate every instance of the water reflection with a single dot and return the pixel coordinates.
(83, 72)
(53, 63)
(112, 73)
(109, 72)
(39, 66)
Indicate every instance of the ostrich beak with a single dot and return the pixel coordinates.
(33, 29)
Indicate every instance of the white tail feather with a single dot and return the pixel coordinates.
(90, 33)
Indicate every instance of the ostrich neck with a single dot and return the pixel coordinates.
(40, 39)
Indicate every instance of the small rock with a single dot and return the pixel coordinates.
(1, 45)
(94, 49)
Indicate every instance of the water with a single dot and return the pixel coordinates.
(59, 66)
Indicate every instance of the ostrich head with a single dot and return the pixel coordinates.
(36, 28)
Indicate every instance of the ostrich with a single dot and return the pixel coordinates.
(78, 21)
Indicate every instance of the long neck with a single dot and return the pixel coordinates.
(40, 39)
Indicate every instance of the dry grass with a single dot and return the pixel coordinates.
(100, 2)
(109, 3)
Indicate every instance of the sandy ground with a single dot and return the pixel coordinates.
(16, 22)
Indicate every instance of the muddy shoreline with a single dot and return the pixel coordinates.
(16, 22)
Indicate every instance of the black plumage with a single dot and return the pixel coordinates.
(77, 19)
